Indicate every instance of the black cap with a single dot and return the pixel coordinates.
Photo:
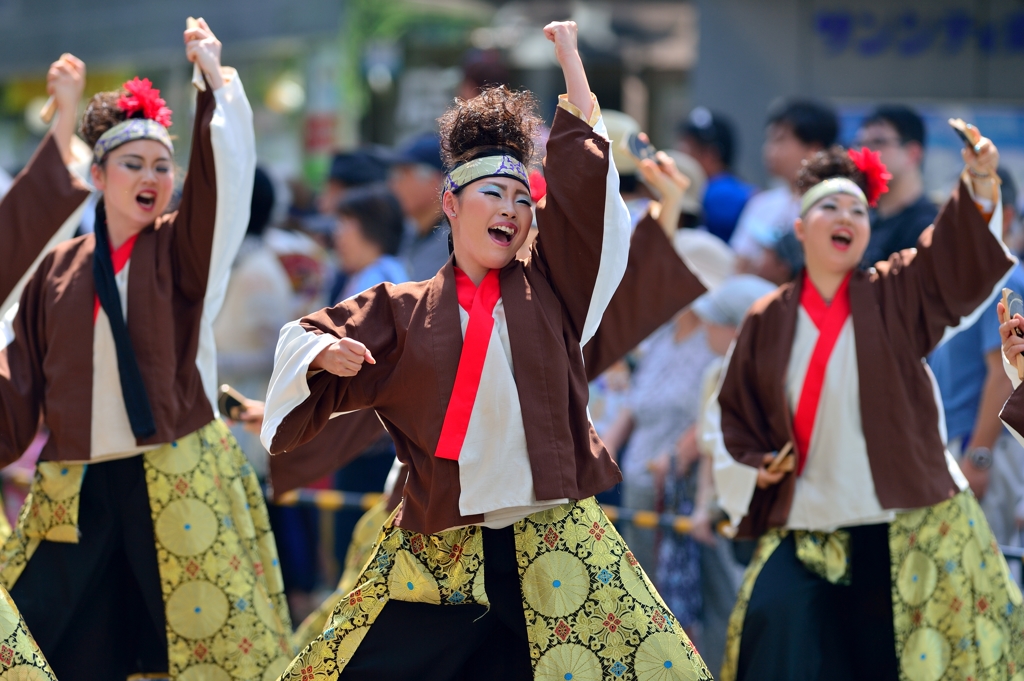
(423, 149)
(361, 166)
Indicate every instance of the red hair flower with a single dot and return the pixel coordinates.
(538, 186)
(870, 163)
(142, 96)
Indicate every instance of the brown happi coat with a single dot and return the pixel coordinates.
(415, 333)
(657, 284)
(900, 310)
(48, 368)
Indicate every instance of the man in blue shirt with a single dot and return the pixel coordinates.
(710, 139)
(969, 371)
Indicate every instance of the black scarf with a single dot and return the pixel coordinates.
(140, 414)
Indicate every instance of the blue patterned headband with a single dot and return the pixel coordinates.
(485, 166)
(129, 131)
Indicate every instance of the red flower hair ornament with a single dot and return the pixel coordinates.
(870, 163)
(143, 97)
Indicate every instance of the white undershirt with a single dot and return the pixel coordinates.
(494, 466)
(836, 488)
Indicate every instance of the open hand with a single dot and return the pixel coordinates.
(65, 81)
(344, 357)
(203, 48)
(766, 478)
(1013, 345)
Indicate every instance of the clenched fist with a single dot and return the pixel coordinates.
(344, 357)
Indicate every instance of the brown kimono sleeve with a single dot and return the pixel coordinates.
(657, 285)
(194, 221)
(957, 264)
(21, 371)
(571, 217)
(751, 428)
(341, 441)
(43, 196)
(368, 318)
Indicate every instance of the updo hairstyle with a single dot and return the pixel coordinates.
(829, 163)
(498, 120)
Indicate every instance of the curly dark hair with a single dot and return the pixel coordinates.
(101, 114)
(828, 163)
(497, 117)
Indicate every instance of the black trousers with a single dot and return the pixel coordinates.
(424, 642)
(96, 608)
(800, 627)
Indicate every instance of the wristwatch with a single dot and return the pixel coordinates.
(980, 457)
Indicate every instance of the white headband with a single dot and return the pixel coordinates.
(833, 185)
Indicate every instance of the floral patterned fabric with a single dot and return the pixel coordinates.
(957, 613)
(20, 657)
(591, 612)
(227, 617)
(364, 541)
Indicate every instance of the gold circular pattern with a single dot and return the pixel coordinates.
(568, 662)
(204, 672)
(409, 581)
(9, 617)
(990, 637)
(634, 583)
(197, 610)
(917, 578)
(662, 657)
(176, 458)
(925, 655)
(186, 527)
(276, 668)
(556, 584)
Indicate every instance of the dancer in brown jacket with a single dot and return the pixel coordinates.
(144, 546)
(479, 377)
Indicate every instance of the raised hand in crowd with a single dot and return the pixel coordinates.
(65, 82)
(670, 185)
(203, 48)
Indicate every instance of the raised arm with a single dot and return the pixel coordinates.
(214, 211)
(43, 203)
(959, 264)
(584, 226)
(323, 367)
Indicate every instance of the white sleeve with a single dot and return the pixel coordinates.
(1011, 371)
(234, 154)
(296, 350)
(734, 482)
(618, 228)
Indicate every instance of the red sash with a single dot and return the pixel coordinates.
(120, 256)
(479, 302)
(830, 320)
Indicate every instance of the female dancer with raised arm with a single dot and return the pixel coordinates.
(46, 185)
(874, 560)
(503, 465)
(144, 547)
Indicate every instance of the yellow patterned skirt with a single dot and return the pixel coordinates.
(225, 609)
(364, 541)
(957, 612)
(591, 612)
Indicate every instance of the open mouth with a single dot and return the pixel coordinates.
(502, 233)
(146, 200)
(842, 239)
